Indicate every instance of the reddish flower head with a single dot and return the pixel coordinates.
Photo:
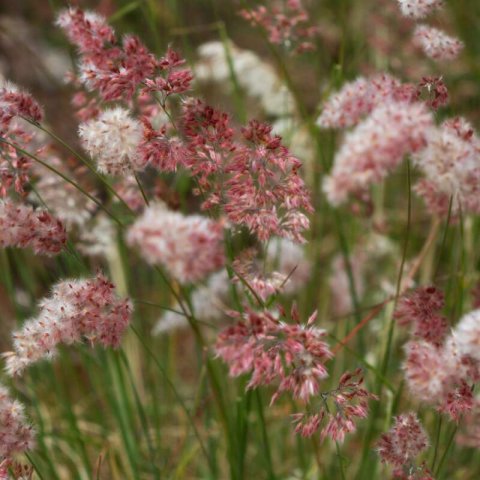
(421, 308)
(404, 442)
(291, 354)
(22, 226)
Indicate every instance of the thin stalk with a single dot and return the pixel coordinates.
(386, 356)
(122, 408)
(367, 365)
(141, 413)
(217, 390)
(446, 451)
(177, 396)
(41, 440)
(438, 430)
(348, 266)
(6, 273)
(444, 237)
(391, 326)
(266, 442)
(142, 191)
(243, 405)
(34, 465)
(64, 177)
(70, 414)
(340, 461)
(162, 307)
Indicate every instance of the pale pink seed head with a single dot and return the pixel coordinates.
(419, 8)
(436, 44)
(189, 247)
(16, 434)
(375, 148)
(76, 309)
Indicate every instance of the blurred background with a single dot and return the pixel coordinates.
(356, 37)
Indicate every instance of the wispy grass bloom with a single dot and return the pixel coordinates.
(450, 163)
(253, 177)
(75, 310)
(16, 434)
(16, 103)
(437, 44)
(293, 355)
(356, 99)
(22, 226)
(112, 140)
(189, 247)
(402, 444)
(286, 24)
(425, 370)
(17, 108)
(117, 70)
(255, 76)
(349, 403)
(160, 151)
(376, 147)
(442, 375)
(265, 191)
(419, 8)
(421, 309)
(467, 334)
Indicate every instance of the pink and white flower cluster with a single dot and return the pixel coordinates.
(435, 43)
(15, 103)
(440, 370)
(16, 109)
(113, 139)
(16, 434)
(189, 247)
(376, 146)
(392, 120)
(389, 122)
(400, 447)
(450, 163)
(419, 8)
(293, 356)
(117, 70)
(286, 24)
(421, 310)
(272, 350)
(76, 310)
(254, 179)
(359, 98)
(350, 403)
(22, 226)
(249, 175)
